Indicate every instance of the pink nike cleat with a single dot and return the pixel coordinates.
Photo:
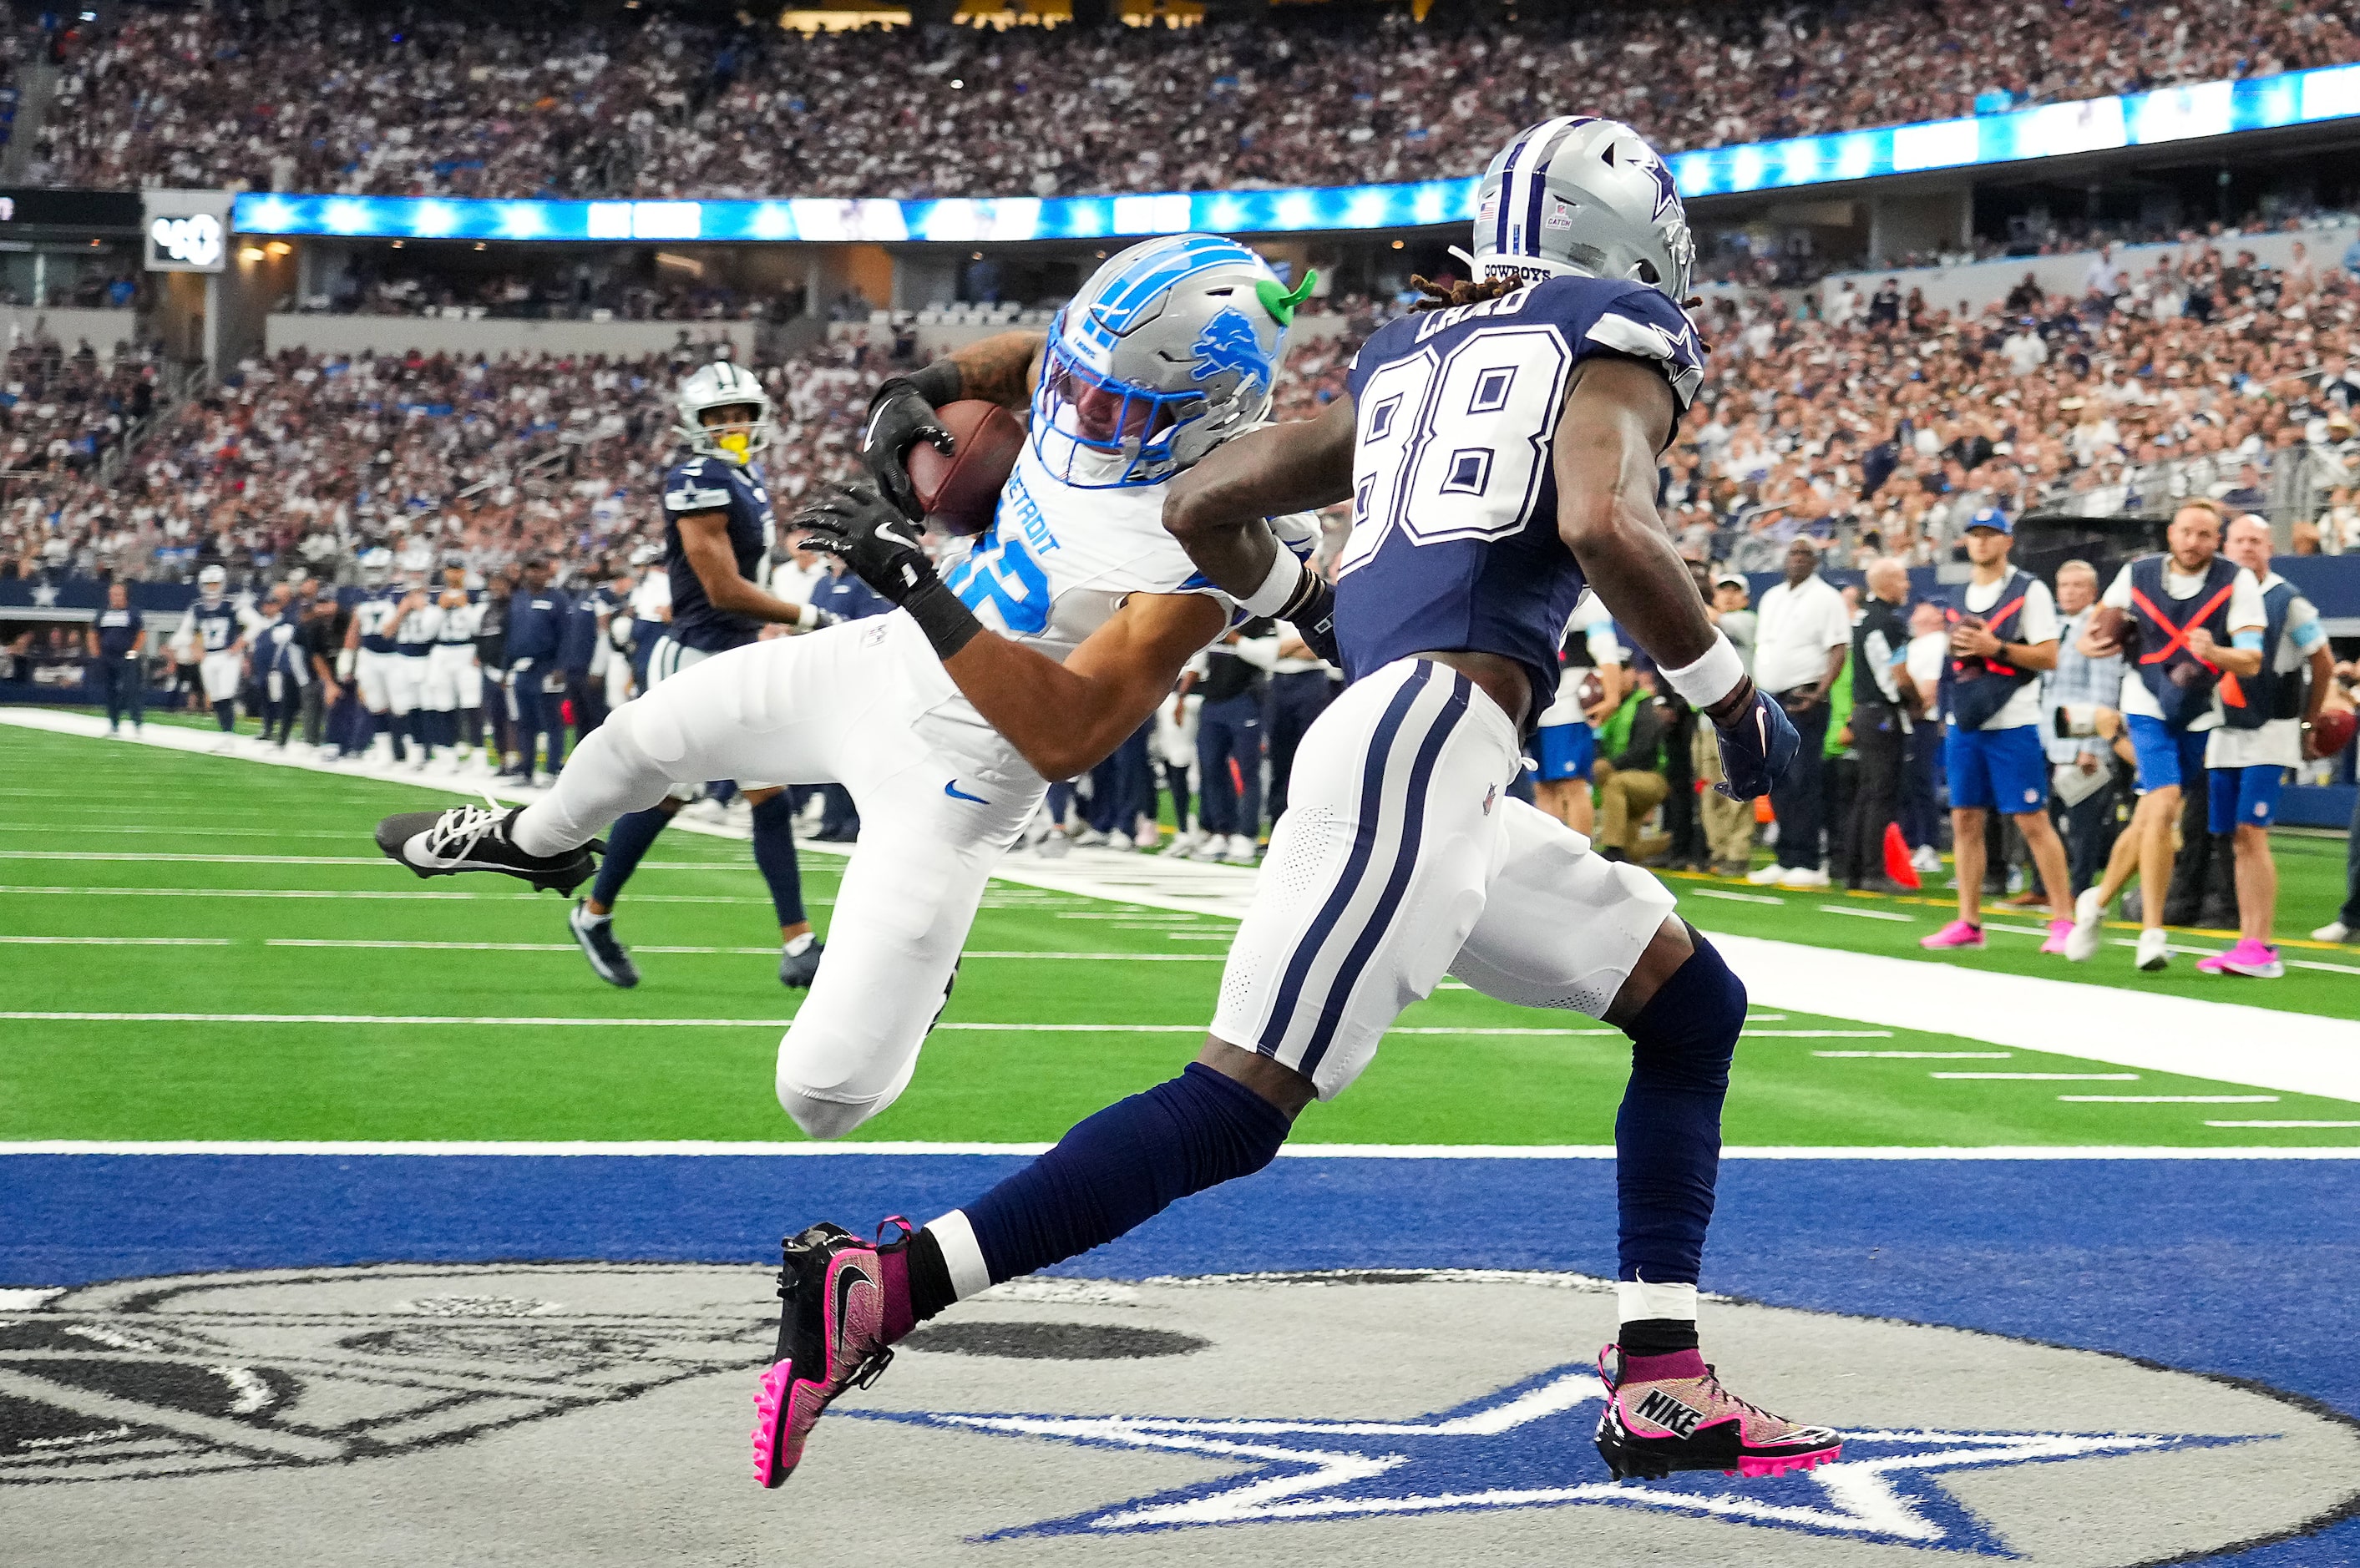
(2251, 959)
(844, 1302)
(1670, 1412)
(2058, 931)
(1958, 933)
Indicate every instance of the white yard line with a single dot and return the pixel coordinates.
(1867, 914)
(636, 1149)
(2169, 1099)
(2049, 1077)
(1923, 1055)
(121, 941)
(2274, 1124)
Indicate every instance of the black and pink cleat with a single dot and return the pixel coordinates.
(1670, 1412)
(844, 1302)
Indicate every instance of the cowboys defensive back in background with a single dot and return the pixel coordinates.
(1500, 450)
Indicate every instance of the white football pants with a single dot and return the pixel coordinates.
(1402, 857)
(942, 796)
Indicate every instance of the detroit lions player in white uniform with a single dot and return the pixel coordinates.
(1500, 450)
(1032, 659)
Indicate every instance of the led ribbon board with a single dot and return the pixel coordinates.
(2049, 130)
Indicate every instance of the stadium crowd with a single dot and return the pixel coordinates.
(308, 96)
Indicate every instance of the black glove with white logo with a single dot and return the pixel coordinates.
(900, 414)
(869, 534)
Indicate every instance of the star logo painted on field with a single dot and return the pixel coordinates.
(1530, 1445)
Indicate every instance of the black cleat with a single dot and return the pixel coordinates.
(470, 838)
(798, 969)
(610, 959)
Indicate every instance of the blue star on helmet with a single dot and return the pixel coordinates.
(1668, 195)
(1530, 1445)
(1229, 342)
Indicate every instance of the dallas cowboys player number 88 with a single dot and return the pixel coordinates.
(1500, 451)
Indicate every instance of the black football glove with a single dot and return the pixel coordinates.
(900, 415)
(869, 534)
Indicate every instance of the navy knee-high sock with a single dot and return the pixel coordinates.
(627, 841)
(1119, 1168)
(774, 852)
(1667, 1133)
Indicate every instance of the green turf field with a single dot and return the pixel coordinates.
(249, 898)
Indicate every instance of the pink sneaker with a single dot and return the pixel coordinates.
(1958, 933)
(1670, 1412)
(2058, 931)
(2250, 958)
(844, 1302)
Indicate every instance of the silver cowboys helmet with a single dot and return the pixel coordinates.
(1171, 348)
(377, 567)
(721, 384)
(1583, 197)
(211, 582)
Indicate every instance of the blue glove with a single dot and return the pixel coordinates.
(1756, 748)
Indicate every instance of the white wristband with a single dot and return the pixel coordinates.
(1277, 590)
(1711, 678)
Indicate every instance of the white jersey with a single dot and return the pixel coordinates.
(419, 630)
(2278, 742)
(651, 600)
(1598, 634)
(460, 623)
(1059, 560)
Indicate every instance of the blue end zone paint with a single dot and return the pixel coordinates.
(2241, 1268)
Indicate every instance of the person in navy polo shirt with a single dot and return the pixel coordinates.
(118, 643)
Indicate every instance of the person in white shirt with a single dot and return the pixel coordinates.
(2248, 752)
(1930, 650)
(2023, 350)
(2003, 635)
(2182, 604)
(1802, 637)
(1565, 739)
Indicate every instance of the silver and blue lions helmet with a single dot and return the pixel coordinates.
(721, 384)
(1170, 348)
(1578, 196)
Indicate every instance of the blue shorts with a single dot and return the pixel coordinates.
(1565, 751)
(2167, 759)
(2006, 770)
(2246, 797)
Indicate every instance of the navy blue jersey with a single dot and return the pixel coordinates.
(1455, 541)
(117, 631)
(714, 485)
(217, 623)
(842, 593)
(536, 626)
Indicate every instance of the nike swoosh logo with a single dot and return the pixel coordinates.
(956, 793)
(847, 1277)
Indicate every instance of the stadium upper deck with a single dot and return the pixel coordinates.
(310, 97)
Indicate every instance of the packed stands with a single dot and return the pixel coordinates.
(319, 98)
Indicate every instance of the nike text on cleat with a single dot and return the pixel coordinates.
(843, 1302)
(1651, 1428)
(1757, 749)
(472, 838)
(610, 959)
(798, 969)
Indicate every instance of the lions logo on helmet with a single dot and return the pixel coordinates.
(1171, 348)
(723, 384)
(1585, 197)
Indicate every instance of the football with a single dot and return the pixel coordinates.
(2108, 625)
(1590, 690)
(2332, 731)
(961, 491)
